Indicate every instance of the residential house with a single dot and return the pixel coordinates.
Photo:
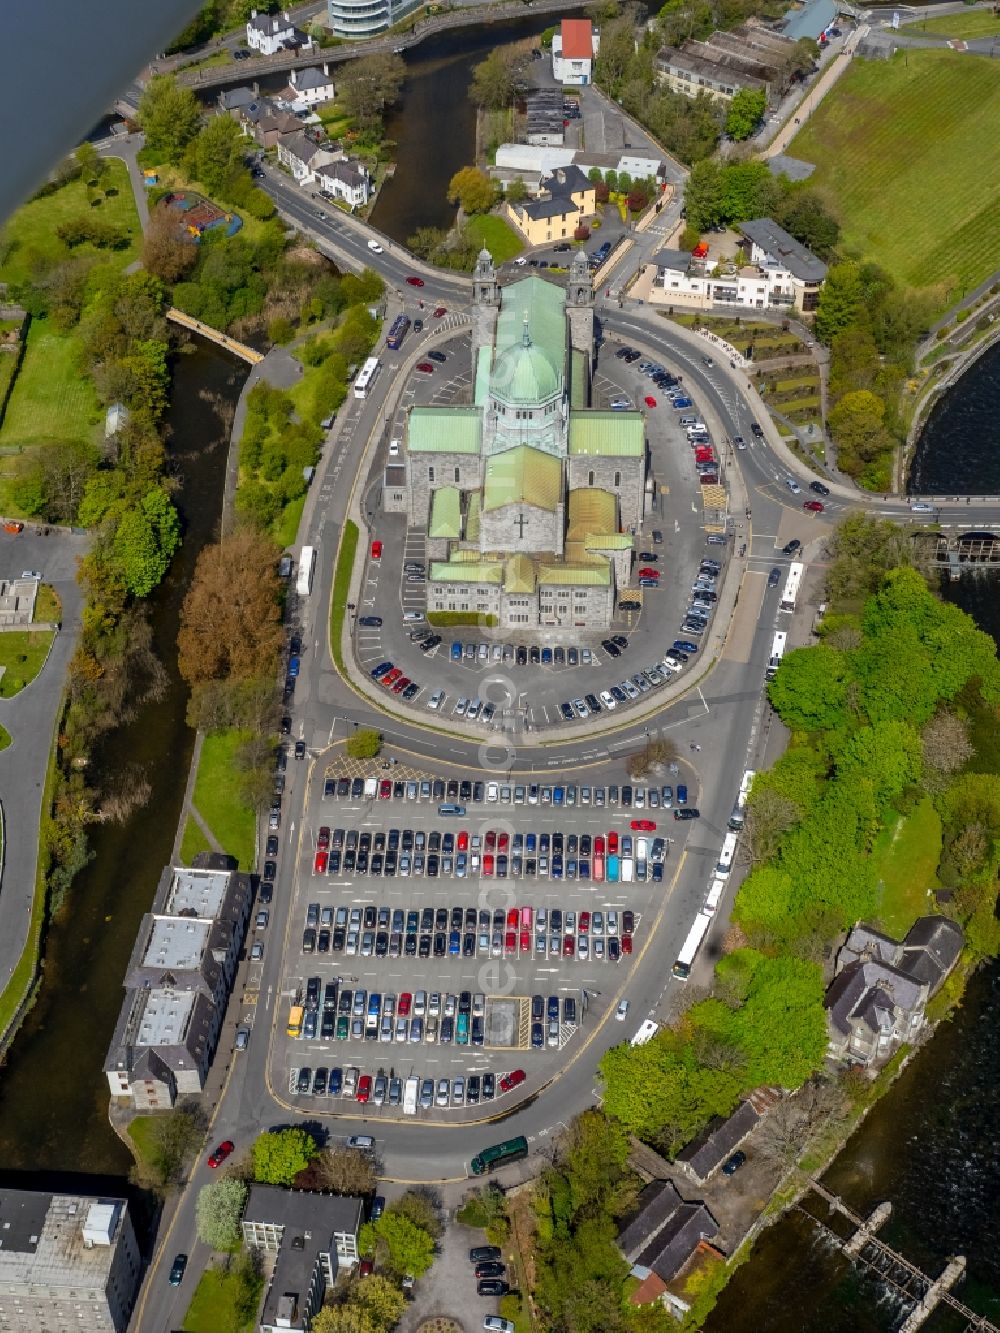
(271, 33)
(67, 1261)
(574, 47)
(717, 1142)
(233, 101)
(178, 982)
(313, 1237)
(878, 998)
(266, 123)
(308, 88)
(770, 270)
(347, 180)
(568, 199)
(662, 1234)
(303, 155)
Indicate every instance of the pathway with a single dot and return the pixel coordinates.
(188, 806)
(126, 147)
(812, 100)
(239, 349)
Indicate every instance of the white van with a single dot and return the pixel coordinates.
(410, 616)
(371, 788)
(627, 870)
(410, 1091)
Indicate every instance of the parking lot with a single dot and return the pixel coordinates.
(540, 680)
(466, 950)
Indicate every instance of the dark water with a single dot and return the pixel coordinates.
(959, 449)
(53, 1093)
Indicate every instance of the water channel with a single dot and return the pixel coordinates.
(53, 1093)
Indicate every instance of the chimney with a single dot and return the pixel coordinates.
(286, 16)
(326, 70)
(253, 13)
(291, 78)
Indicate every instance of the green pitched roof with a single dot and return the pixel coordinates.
(607, 434)
(446, 514)
(444, 430)
(530, 369)
(446, 572)
(522, 476)
(519, 575)
(591, 510)
(596, 575)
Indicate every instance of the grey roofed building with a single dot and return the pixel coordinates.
(717, 1142)
(792, 167)
(555, 207)
(233, 99)
(314, 76)
(675, 259)
(811, 20)
(784, 249)
(566, 181)
(927, 953)
(665, 1230)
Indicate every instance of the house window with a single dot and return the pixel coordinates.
(457, 470)
(430, 474)
(590, 478)
(618, 478)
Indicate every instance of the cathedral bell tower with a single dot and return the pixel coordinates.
(580, 306)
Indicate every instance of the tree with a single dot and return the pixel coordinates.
(946, 744)
(146, 537)
(498, 79)
(810, 689)
(217, 155)
(516, 191)
(422, 1207)
(746, 109)
(92, 165)
(172, 1138)
(863, 551)
(342, 1171)
(407, 1248)
(770, 814)
(805, 215)
(347, 1318)
(367, 86)
(231, 616)
(164, 251)
(218, 1212)
(703, 195)
(789, 1128)
(169, 116)
(857, 424)
(839, 300)
(381, 1300)
(472, 189)
(365, 743)
(279, 1155)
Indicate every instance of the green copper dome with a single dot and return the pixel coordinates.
(524, 374)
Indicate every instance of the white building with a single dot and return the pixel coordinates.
(362, 18)
(771, 270)
(66, 1262)
(573, 49)
(270, 33)
(347, 180)
(308, 88)
(303, 156)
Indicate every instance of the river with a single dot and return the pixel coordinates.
(53, 1093)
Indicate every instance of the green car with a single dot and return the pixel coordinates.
(343, 1027)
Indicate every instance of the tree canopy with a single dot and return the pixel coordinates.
(279, 1155)
(218, 1212)
(745, 112)
(472, 189)
(497, 80)
(405, 1247)
(169, 115)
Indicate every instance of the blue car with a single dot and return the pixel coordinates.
(681, 403)
(336, 1083)
(682, 794)
(685, 646)
(530, 842)
(454, 943)
(456, 652)
(558, 795)
(293, 665)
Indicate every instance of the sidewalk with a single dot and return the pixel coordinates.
(801, 111)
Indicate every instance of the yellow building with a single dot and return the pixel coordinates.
(568, 198)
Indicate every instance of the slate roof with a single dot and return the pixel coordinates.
(231, 99)
(444, 430)
(607, 434)
(927, 954)
(566, 181)
(522, 476)
(269, 23)
(539, 209)
(664, 1231)
(313, 77)
(779, 245)
(655, 1206)
(718, 1141)
(870, 992)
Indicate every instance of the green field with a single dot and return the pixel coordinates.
(498, 236)
(193, 841)
(905, 859)
(51, 400)
(217, 800)
(213, 1306)
(977, 23)
(22, 655)
(902, 150)
(341, 587)
(32, 229)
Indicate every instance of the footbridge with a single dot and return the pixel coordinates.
(239, 349)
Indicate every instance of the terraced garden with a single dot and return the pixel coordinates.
(903, 150)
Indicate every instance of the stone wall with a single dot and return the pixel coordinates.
(624, 476)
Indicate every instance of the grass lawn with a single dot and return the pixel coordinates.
(217, 801)
(287, 525)
(140, 1131)
(193, 841)
(4, 738)
(32, 229)
(212, 1308)
(977, 23)
(22, 654)
(48, 606)
(906, 858)
(341, 584)
(895, 135)
(498, 236)
(51, 400)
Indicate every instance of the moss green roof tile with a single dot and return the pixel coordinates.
(522, 476)
(591, 510)
(447, 572)
(596, 574)
(530, 369)
(607, 434)
(519, 575)
(446, 514)
(444, 430)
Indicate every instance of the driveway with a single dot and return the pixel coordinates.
(30, 718)
(449, 1288)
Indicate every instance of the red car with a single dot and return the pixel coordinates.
(512, 1080)
(323, 837)
(403, 1006)
(612, 842)
(488, 863)
(491, 840)
(648, 572)
(626, 944)
(813, 506)
(513, 917)
(364, 1087)
(398, 688)
(425, 368)
(643, 825)
(568, 946)
(599, 845)
(439, 311)
(322, 858)
(463, 841)
(503, 842)
(650, 402)
(584, 923)
(221, 1153)
(510, 942)
(384, 789)
(390, 677)
(415, 282)
(376, 550)
(526, 941)
(366, 1267)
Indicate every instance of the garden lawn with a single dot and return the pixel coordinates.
(216, 797)
(193, 841)
(212, 1308)
(498, 236)
(901, 149)
(977, 23)
(51, 400)
(906, 859)
(22, 654)
(140, 1132)
(32, 229)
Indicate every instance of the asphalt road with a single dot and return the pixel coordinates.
(30, 718)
